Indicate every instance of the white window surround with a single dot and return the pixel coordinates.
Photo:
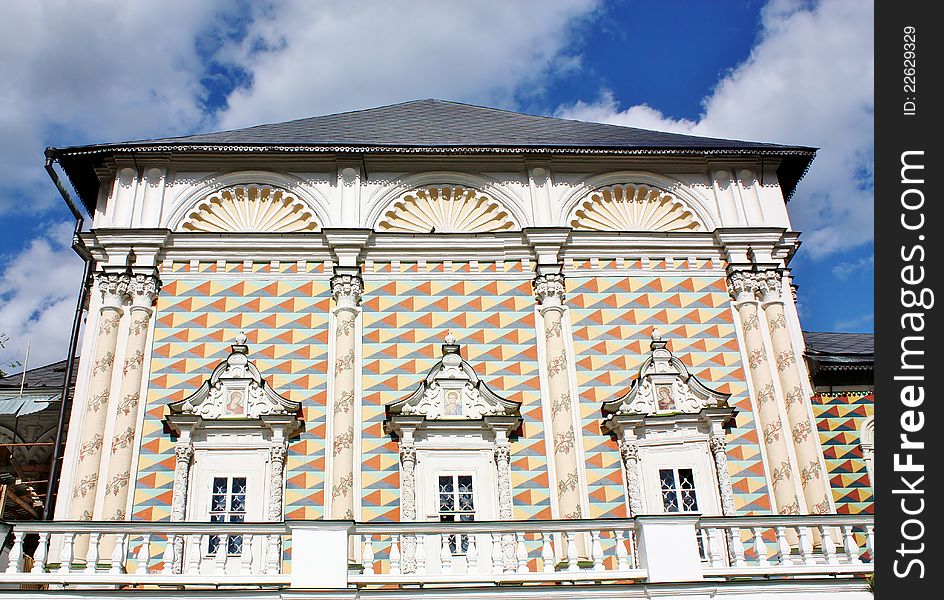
(453, 424)
(233, 425)
(670, 420)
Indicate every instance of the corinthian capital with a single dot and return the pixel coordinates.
(549, 287)
(741, 285)
(768, 286)
(143, 289)
(114, 288)
(347, 287)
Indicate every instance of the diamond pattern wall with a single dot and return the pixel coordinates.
(839, 418)
(405, 323)
(612, 319)
(196, 321)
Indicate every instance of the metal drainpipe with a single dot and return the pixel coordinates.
(65, 406)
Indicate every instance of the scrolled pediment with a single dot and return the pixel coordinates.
(445, 209)
(452, 391)
(632, 207)
(664, 386)
(249, 208)
(235, 391)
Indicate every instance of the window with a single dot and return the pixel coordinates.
(678, 490)
(456, 503)
(227, 505)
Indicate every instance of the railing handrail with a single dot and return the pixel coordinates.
(148, 527)
(787, 521)
(539, 526)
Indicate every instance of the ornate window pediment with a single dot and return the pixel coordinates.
(633, 208)
(235, 390)
(453, 391)
(446, 209)
(664, 386)
(248, 208)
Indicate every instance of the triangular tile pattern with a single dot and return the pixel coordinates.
(612, 319)
(405, 322)
(839, 418)
(286, 322)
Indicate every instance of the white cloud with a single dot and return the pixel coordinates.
(93, 71)
(38, 290)
(319, 57)
(807, 81)
(845, 270)
(861, 323)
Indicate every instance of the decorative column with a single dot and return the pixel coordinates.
(277, 455)
(142, 289)
(808, 451)
(183, 453)
(408, 502)
(114, 287)
(629, 452)
(741, 286)
(346, 288)
(549, 292)
(719, 449)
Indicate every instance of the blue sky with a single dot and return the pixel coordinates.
(787, 71)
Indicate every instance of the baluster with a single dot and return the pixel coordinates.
(806, 546)
(196, 554)
(39, 556)
(222, 551)
(144, 555)
(368, 546)
(15, 564)
(91, 557)
(421, 555)
(760, 547)
(850, 545)
(828, 545)
(547, 553)
(783, 548)
(445, 554)
(521, 553)
(870, 542)
(715, 545)
(167, 557)
(622, 556)
(702, 538)
(245, 558)
(497, 564)
(472, 554)
(118, 553)
(596, 549)
(65, 553)
(273, 554)
(737, 547)
(572, 552)
(395, 555)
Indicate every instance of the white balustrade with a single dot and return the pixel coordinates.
(435, 553)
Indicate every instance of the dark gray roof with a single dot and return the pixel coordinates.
(49, 376)
(435, 126)
(858, 344)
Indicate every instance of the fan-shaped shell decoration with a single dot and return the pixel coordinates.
(633, 208)
(445, 209)
(250, 208)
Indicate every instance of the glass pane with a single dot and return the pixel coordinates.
(465, 483)
(219, 485)
(214, 544)
(465, 502)
(467, 518)
(669, 501)
(239, 485)
(686, 479)
(238, 503)
(218, 503)
(217, 518)
(235, 545)
(445, 484)
(237, 518)
(447, 518)
(689, 503)
(667, 479)
(446, 502)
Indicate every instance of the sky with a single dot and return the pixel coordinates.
(780, 71)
